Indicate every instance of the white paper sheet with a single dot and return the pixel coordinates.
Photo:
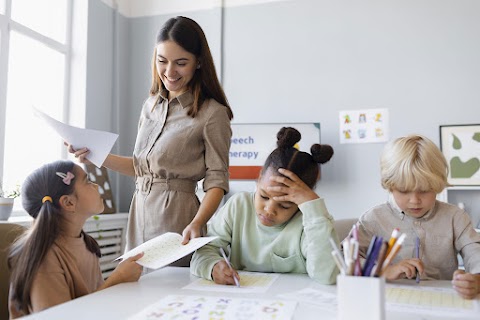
(322, 299)
(98, 142)
(165, 249)
(430, 300)
(249, 282)
(182, 307)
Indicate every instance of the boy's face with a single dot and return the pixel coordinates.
(414, 203)
(271, 212)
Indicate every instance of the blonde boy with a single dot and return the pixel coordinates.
(414, 171)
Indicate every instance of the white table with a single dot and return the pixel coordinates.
(124, 300)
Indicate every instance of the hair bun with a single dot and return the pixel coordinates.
(321, 153)
(287, 137)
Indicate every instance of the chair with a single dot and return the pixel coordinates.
(343, 227)
(8, 233)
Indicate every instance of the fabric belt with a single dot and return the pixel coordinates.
(146, 183)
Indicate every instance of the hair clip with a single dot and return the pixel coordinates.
(66, 177)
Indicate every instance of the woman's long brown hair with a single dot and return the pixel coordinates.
(205, 85)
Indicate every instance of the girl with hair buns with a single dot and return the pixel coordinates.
(283, 226)
(55, 260)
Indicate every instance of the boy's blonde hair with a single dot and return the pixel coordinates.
(413, 163)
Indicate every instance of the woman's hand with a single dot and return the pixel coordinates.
(467, 285)
(80, 154)
(407, 268)
(293, 188)
(193, 230)
(223, 274)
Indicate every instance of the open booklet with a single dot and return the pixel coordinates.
(165, 249)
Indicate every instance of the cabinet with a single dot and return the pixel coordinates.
(466, 196)
(109, 231)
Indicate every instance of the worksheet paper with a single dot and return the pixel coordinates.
(165, 249)
(322, 299)
(98, 142)
(181, 307)
(436, 301)
(402, 298)
(249, 282)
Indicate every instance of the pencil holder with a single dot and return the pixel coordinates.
(360, 298)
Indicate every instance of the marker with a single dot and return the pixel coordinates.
(393, 239)
(393, 252)
(237, 283)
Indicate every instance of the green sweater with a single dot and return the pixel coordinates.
(300, 245)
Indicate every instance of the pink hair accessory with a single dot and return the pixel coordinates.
(66, 177)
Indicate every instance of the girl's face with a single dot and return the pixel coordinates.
(175, 67)
(414, 203)
(271, 212)
(89, 200)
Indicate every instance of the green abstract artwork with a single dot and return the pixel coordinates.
(461, 147)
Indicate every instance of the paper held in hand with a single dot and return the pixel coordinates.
(165, 249)
(98, 142)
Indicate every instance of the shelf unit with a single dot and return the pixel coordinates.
(109, 230)
(468, 196)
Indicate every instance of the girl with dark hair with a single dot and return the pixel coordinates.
(183, 137)
(55, 260)
(282, 227)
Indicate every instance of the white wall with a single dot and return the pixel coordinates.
(305, 60)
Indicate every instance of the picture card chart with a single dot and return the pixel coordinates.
(363, 126)
(249, 282)
(181, 307)
(165, 249)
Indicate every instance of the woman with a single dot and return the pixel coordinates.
(183, 137)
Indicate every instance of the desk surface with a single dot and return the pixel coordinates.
(125, 300)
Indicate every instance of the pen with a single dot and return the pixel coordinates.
(337, 257)
(237, 283)
(369, 254)
(381, 257)
(393, 252)
(372, 258)
(417, 255)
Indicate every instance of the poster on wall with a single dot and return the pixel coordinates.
(363, 126)
(252, 143)
(461, 146)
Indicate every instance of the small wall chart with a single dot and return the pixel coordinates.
(363, 126)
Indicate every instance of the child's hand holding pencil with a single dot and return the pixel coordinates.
(223, 273)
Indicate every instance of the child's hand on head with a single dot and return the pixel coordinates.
(223, 274)
(467, 285)
(293, 188)
(404, 269)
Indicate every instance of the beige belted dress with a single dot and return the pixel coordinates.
(174, 151)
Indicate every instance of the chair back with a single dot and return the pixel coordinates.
(343, 227)
(8, 233)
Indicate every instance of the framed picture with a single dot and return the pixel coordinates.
(461, 146)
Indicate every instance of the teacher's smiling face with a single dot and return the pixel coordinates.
(175, 67)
